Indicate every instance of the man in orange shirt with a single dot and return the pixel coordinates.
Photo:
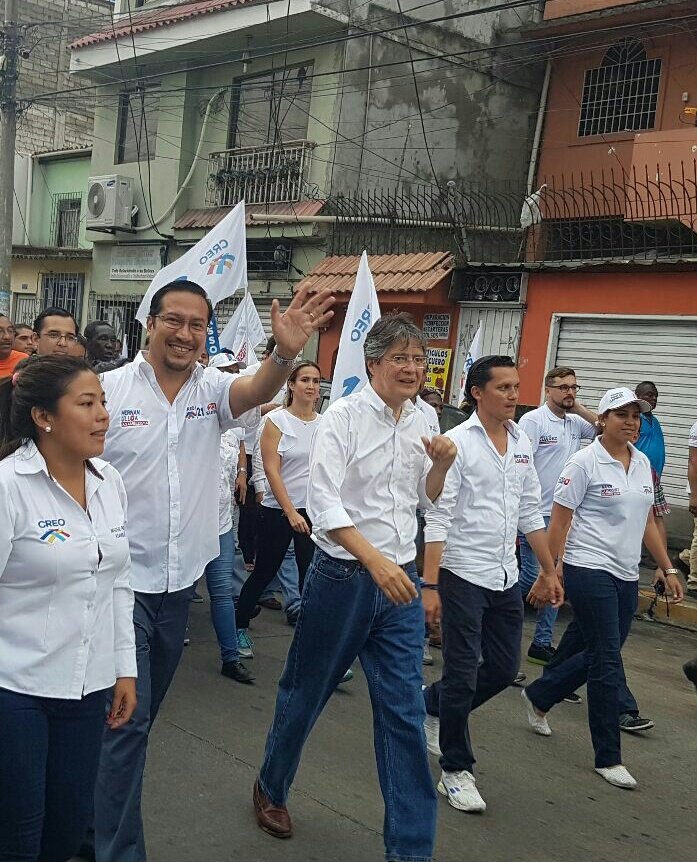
(8, 357)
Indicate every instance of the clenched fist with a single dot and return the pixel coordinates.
(441, 450)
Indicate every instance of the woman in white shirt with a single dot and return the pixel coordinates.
(285, 451)
(66, 605)
(603, 500)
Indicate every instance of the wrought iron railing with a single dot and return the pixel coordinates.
(276, 173)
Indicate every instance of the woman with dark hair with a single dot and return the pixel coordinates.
(285, 450)
(601, 513)
(66, 605)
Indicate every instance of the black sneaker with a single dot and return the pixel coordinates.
(634, 723)
(237, 671)
(573, 698)
(538, 654)
(690, 671)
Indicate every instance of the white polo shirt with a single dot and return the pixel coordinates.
(369, 472)
(66, 603)
(168, 457)
(487, 498)
(611, 508)
(554, 440)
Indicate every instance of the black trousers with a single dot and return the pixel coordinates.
(475, 622)
(247, 531)
(275, 534)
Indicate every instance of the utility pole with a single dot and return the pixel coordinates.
(8, 133)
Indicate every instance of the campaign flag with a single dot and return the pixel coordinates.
(244, 331)
(212, 340)
(124, 345)
(473, 355)
(362, 312)
(218, 263)
(531, 213)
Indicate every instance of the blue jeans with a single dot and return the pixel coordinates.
(220, 579)
(343, 614)
(288, 578)
(160, 621)
(604, 607)
(49, 754)
(529, 570)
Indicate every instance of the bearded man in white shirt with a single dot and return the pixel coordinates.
(372, 463)
(471, 572)
(167, 416)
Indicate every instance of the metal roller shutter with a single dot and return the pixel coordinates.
(622, 351)
(225, 309)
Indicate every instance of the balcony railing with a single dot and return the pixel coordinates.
(271, 174)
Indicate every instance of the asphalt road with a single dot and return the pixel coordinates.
(545, 803)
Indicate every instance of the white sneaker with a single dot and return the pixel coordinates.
(428, 658)
(432, 728)
(617, 775)
(461, 790)
(537, 722)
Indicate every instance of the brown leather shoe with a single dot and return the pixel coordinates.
(271, 818)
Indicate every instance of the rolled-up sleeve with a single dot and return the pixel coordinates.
(124, 632)
(439, 515)
(328, 459)
(529, 514)
(572, 485)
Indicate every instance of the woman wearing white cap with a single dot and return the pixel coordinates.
(603, 500)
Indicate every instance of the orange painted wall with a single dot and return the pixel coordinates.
(652, 293)
(562, 8)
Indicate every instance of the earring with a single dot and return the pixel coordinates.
(47, 429)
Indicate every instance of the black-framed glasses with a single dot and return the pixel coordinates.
(566, 389)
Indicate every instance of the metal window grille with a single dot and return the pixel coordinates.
(621, 95)
(65, 219)
(120, 311)
(25, 309)
(64, 289)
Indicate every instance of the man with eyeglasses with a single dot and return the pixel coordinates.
(167, 416)
(556, 431)
(56, 332)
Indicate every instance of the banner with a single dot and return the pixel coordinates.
(438, 368)
(218, 263)
(244, 331)
(473, 355)
(362, 312)
(212, 340)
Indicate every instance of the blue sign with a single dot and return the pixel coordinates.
(212, 342)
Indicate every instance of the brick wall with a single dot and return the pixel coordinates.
(64, 121)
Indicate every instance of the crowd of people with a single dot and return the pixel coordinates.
(96, 581)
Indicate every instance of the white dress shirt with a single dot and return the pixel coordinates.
(431, 416)
(229, 459)
(168, 457)
(554, 440)
(611, 507)
(369, 472)
(66, 603)
(486, 500)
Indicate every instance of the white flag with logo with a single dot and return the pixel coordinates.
(362, 312)
(473, 355)
(244, 331)
(124, 346)
(218, 263)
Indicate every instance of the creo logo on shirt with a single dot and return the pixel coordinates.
(198, 411)
(53, 533)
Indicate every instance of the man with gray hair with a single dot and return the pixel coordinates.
(371, 465)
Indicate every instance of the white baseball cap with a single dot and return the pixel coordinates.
(222, 360)
(620, 397)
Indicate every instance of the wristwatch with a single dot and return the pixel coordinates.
(281, 360)
(671, 571)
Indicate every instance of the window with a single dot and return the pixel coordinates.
(621, 95)
(269, 256)
(63, 289)
(137, 131)
(272, 108)
(65, 230)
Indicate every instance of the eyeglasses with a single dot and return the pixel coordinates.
(174, 322)
(401, 360)
(565, 388)
(59, 336)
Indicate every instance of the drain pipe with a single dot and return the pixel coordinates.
(539, 126)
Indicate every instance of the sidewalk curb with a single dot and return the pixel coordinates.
(683, 615)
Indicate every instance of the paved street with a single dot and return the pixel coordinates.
(545, 803)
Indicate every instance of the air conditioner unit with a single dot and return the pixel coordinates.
(109, 203)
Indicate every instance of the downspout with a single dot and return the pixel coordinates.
(369, 84)
(27, 211)
(539, 126)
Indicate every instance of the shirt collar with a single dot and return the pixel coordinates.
(605, 457)
(551, 415)
(474, 422)
(376, 402)
(28, 460)
(141, 366)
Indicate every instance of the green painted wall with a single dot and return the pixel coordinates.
(53, 177)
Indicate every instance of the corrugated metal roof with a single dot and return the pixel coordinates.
(209, 217)
(160, 17)
(393, 273)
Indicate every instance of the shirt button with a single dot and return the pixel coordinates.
(92, 539)
(90, 606)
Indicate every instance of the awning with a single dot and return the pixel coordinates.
(209, 217)
(393, 273)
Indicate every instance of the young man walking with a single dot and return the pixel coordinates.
(372, 464)
(471, 572)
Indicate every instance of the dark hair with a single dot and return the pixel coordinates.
(645, 384)
(53, 311)
(91, 328)
(270, 346)
(81, 340)
(480, 373)
(41, 382)
(427, 390)
(19, 326)
(559, 371)
(182, 286)
(297, 368)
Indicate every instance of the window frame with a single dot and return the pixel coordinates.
(126, 116)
